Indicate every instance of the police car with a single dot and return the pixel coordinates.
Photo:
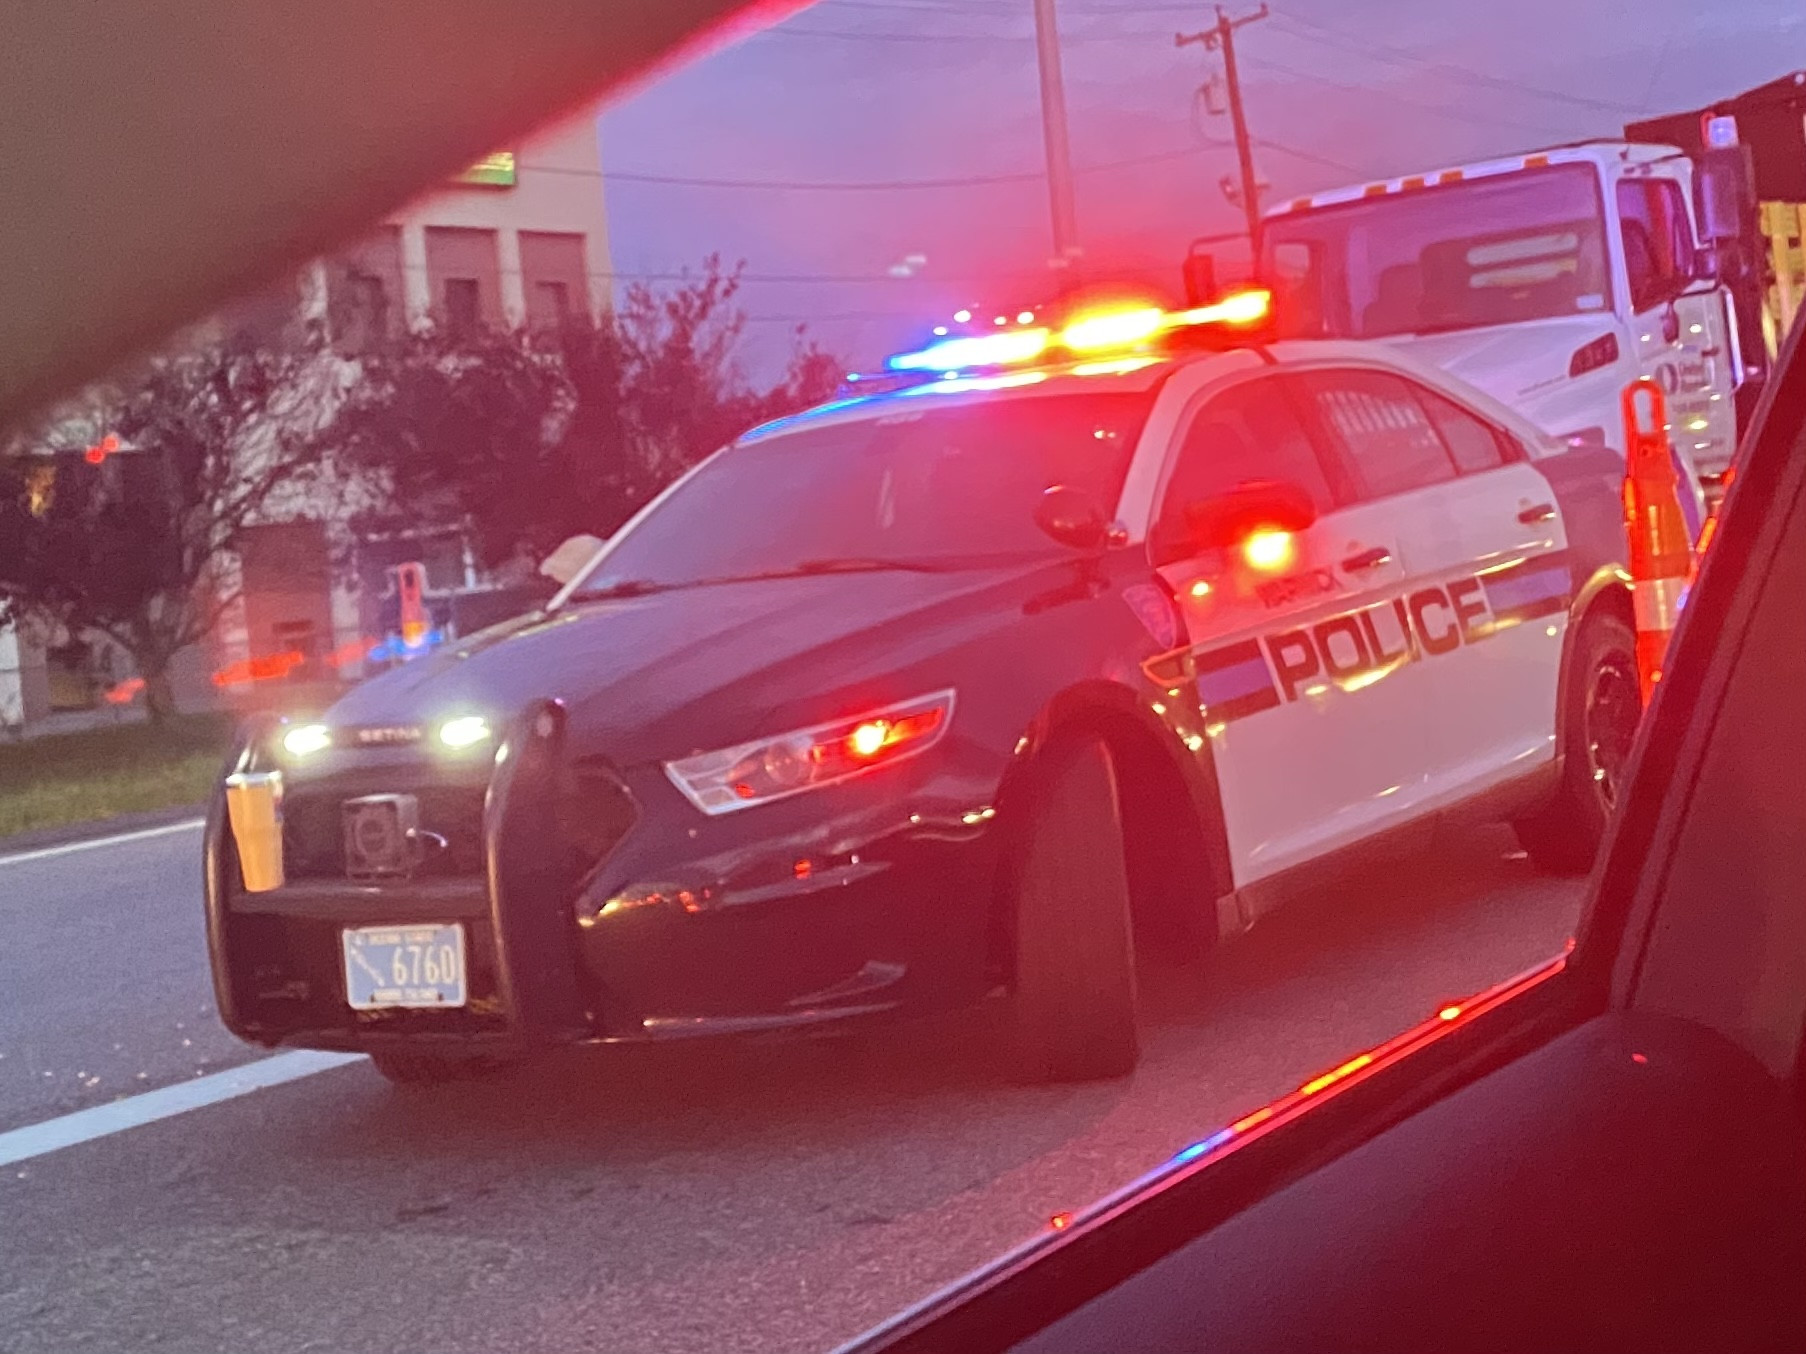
(1059, 645)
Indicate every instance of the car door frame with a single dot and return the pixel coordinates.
(1388, 821)
(1516, 780)
(1081, 1257)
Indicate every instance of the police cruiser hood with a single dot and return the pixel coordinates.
(694, 667)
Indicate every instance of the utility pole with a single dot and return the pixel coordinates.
(1053, 122)
(1222, 38)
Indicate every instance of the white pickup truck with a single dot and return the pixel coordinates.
(1550, 280)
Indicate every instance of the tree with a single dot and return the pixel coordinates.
(133, 534)
(530, 439)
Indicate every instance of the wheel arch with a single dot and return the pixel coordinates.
(1606, 592)
(1174, 832)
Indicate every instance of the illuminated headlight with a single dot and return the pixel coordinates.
(306, 739)
(773, 768)
(463, 732)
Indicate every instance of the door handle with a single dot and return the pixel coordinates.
(1541, 512)
(1367, 559)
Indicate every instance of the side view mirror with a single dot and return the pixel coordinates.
(563, 564)
(1708, 264)
(1073, 517)
(1226, 520)
(1200, 272)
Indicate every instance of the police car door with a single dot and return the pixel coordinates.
(1680, 326)
(1483, 537)
(1299, 653)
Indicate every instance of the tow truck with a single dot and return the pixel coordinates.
(1552, 279)
(1079, 637)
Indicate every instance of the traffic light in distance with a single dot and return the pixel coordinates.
(410, 586)
(102, 449)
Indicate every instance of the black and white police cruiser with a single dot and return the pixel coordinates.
(1066, 643)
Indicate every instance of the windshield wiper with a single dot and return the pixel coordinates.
(626, 587)
(808, 568)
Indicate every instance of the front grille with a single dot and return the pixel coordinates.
(313, 834)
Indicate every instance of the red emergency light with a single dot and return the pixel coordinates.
(1118, 330)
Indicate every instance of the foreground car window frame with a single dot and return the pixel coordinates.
(1082, 1257)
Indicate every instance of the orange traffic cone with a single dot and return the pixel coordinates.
(1707, 532)
(1661, 557)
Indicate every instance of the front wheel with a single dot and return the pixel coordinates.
(1601, 710)
(1075, 990)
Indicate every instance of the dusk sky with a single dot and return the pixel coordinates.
(900, 90)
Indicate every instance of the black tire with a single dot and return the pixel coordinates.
(1075, 1000)
(434, 1069)
(1601, 708)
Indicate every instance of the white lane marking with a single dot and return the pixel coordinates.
(91, 843)
(36, 1140)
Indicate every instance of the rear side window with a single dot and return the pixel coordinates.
(1378, 423)
(1247, 434)
(1475, 445)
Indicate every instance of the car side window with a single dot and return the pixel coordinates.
(1247, 434)
(1476, 445)
(1391, 444)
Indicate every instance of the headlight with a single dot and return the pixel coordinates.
(306, 739)
(772, 768)
(464, 731)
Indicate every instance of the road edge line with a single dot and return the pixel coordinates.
(102, 1121)
(91, 843)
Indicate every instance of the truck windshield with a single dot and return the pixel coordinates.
(1489, 251)
(919, 486)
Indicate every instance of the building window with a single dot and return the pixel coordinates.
(554, 276)
(364, 291)
(463, 304)
(463, 276)
(364, 316)
(550, 304)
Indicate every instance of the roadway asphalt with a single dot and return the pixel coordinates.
(758, 1197)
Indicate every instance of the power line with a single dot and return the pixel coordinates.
(853, 35)
(878, 185)
(1442, 110)
(1346, 42)
(1311, 156)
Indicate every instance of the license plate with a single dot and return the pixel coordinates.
(404, 966)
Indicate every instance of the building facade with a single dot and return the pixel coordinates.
(521, 239)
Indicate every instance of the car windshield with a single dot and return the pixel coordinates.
(1528, 245)
(915, 484)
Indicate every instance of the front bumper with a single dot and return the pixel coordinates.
(848, 903)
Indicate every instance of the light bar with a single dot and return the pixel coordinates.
(1096, 332)
(1114, 329)
(1239, 308)
(987, 350)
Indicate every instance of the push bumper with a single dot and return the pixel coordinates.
(824, 909)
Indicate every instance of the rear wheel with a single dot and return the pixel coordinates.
(1602, 708)
(1075, 991)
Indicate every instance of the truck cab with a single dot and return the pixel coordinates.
(1549, 280)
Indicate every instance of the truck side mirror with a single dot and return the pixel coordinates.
(1708, 264)
(1200, 279)
(1726, 197)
